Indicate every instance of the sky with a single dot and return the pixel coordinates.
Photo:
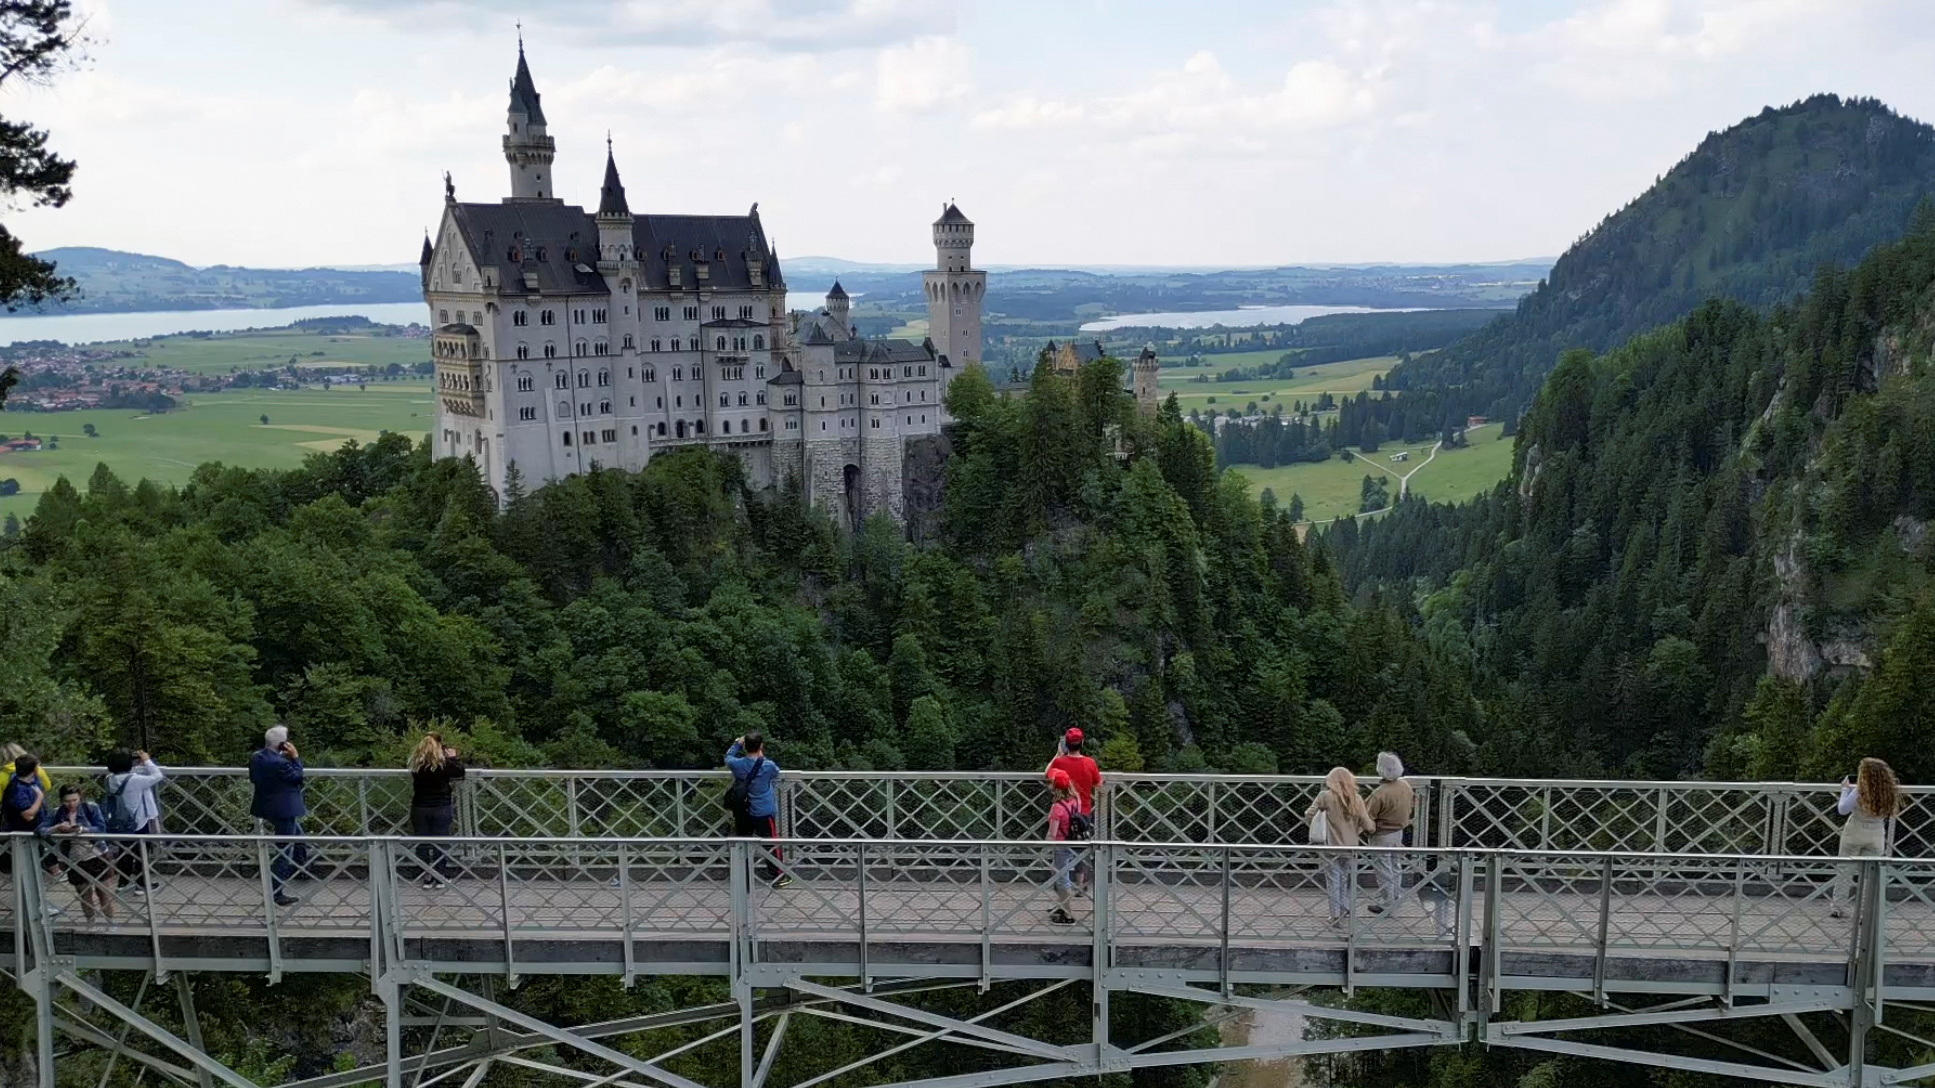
(1074, 132)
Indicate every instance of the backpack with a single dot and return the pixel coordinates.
(1319, 828)
(116, 813)
(738, 798)
(18, 798)
(1081, 826)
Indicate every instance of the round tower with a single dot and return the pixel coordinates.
(953, 239)
(1147, 370)
(527, 148)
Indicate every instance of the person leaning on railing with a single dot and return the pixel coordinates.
(1392, 806)
(130, 807)
(1870, 800)
(434, 769)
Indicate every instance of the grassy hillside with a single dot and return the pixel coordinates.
(115, 282)
(1749, 215)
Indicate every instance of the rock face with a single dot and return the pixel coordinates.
(924, 484)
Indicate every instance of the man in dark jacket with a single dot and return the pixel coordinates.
(276, 771)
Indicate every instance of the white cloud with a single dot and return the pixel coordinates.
(790, 25)
(923, 74)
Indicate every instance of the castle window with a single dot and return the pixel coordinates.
(759, 342)
(792, 425)
(691, 313)
(584, 409)
(658, 402)
(678, 402)
(597, 317)
(628, 341)
(604, 377)
(923, 370)
(524, 383)
(584, 379)
(578, 316)
(745, 313)
(547, 317)
(655, 344)
(443, 317)
(823, 425)
(527, 414)
(722, 343)
(742, 400)
(791, 400)
(567, 438)
(762, 425)
(520, 318)
(563, 380)
(907, 372)
(724, 400)
(876, 423)
(678, 374)
(759, 371)
(681, 427)
(611, 436)
(591, 438)
(604, 407)
(524, 351)
(718, 313)
(661, 313)
(550, 350)
(762, 396)
(874, 399)
(661, 429)
(700, 426)
(581, 348)
(599, 347)
(651, 375)
(634, 430)
(675, 343)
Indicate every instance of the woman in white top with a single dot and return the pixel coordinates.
(132, 781)
(1870, 801)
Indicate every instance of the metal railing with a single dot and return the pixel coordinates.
(1690, 817)
(498, 894)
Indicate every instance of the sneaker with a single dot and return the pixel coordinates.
(435, 882)
(1837, 913)
(1060, 917)
(284, 899)
(783, 881)
(1375, 908)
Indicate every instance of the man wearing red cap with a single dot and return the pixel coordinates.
(1082, 772)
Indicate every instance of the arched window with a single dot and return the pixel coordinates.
(519, 317)
(762, 423)
(722, 343)
(524, 351)
(681, 428)
(759, 341)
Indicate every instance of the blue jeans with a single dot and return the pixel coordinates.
(289, 856)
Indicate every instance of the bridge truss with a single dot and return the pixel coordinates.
(1674, 911)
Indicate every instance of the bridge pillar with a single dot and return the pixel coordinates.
(37, 981)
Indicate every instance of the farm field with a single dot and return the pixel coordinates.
(1346, 378)
(225, 426)
(221, 353)
(1331, 489)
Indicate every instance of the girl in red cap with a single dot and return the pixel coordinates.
(1084, 777)
(1064, 816)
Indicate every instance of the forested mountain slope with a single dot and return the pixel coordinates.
(1749, 215)
(1713, 551)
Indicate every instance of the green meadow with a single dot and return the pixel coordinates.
(1332, 489)
(1346, 378)
(225, 426)
(273, 348)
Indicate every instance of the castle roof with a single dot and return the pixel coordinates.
(952, 214)
(426, 255)
(611, 196)
(786, 377)
(838, 291)
(883, 351)
(556, 245)
(524, 95)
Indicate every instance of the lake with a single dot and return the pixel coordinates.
(89, 328)
(1248, 315)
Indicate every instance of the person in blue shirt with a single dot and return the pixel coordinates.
(72, 826)
(747, 761)
(276, 771)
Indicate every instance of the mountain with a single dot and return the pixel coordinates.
(1714, 551)
(112, 281)
(1749, 215)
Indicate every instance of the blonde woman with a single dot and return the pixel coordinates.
(1870, 800)
(434, 767)
(1347, 822)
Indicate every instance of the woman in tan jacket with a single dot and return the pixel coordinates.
(1348, 822)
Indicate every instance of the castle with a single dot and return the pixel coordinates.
(567, 340)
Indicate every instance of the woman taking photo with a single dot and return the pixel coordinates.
(434, 766)
(1870, 800)
(89, 868)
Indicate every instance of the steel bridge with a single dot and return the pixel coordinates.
(1674, 910)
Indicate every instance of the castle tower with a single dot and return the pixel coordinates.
(837, 307)
(526, 147)
(954, 294)
(1146, 371)
(614, 214)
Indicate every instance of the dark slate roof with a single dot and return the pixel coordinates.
(524, 95)
(734, 323)
(458, 328)
(952, 214)
(815, 335)
(425, 258)
(1087, 351)
(838, 291)
(727, 244)
(883, 351)
(611, 196)
(786, 377)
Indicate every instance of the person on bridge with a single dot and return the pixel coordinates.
(14, 752)
(90, 869)
(1086, 776)
(1347, 822)
(1392, 806)
(1870, 800)
(276, 771)
(434, 767)
(1066, 823)
(758, 815)
(22, 798)
(129, 806)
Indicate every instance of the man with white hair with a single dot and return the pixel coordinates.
(1392, 806)
(276, 771)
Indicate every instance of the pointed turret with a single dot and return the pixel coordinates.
(423, 259)
(527, 148)
(837, 308)
(837, 292)
(611, 198)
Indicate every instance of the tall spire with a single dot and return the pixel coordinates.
(611, 198)
(524, 94)
(427, 252)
